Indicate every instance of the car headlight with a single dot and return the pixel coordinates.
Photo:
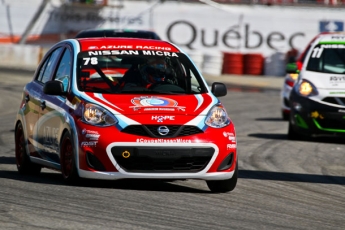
(96, 115)
(306, 88)
(217, 117)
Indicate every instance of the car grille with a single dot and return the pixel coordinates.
(164, 160)
(331, 124)
(335, 100)
(152, 130)
(332, 121)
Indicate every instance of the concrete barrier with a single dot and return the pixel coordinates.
(20, 56)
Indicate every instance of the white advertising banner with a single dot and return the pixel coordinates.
(192, 26)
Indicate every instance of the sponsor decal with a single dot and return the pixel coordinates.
(130, 47)
(337, 79)
(177, 140)
(88, 144)
(91, 135)
(230, 146)
(126, 52)
(230, 136)
(155, 104)
(153, 48)
(85, 131)
(162, 118)
(337, 93)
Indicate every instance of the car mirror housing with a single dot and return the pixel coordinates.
(54, 88)
(219, 89)
(291, 68)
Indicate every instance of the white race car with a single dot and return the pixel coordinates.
(318, 97)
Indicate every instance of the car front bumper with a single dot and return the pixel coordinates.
(314, 118)
(210, 155)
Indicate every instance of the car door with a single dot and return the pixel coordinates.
(33, 94)
(51, 111)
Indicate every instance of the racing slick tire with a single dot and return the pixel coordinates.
(285, 116)
(293, 135)
(23, 162)
(222, 186)
(67, 160)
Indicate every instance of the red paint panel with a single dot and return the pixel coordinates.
(125, 44)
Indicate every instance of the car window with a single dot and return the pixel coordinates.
(137, 71)
(327, 58)
(63, 72)
(48, 66)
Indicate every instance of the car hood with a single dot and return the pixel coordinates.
(325, 80)
(193, 105)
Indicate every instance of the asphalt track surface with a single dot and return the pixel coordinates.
(282, 184)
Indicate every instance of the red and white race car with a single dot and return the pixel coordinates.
(117, 108)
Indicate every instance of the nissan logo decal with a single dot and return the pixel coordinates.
(163, 130)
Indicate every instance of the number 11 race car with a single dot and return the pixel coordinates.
(118, 108)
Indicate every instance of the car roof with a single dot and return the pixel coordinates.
(113, 43)
(118, 33)
(302, 56)
(332, 38)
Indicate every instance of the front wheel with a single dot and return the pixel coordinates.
(67, 159)
(24, 164)
(285, 116)
(222, 186)
(292, 134)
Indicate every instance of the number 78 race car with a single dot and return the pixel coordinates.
(118, 108)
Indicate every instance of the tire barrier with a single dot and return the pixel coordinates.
(19, 56)
(253, 64)
(275, 65)
(213, 63)
(197, 57)
(233, 63)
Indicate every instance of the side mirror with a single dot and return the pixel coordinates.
(54, 88)
(291, 68)
(219, 89)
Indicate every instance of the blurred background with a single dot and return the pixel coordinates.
(242, 37)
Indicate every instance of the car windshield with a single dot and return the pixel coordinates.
(137, 71)
(327, 58)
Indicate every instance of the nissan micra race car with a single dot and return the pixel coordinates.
(117, 108)
(292, 70)
(318, 98)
